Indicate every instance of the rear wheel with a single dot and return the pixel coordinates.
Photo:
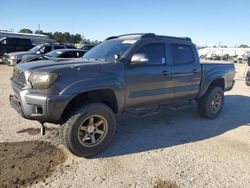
(211, 104)
(89, 130)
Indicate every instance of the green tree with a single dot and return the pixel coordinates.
(38, 32)
(58, 36)
(49, 34)
(243, 46)
(66, 37)
(75, 38)
(25, 31)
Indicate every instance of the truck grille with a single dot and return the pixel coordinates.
(19, 77)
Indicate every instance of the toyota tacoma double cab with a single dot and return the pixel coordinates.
(134, 73)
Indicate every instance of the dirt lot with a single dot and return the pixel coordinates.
(171, 149)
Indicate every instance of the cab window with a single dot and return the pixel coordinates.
(155, 53)
(182, 54)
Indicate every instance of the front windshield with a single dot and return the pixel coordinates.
(35, 49)
(54, 53)
(108, 49)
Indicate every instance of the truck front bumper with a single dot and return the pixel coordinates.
(38, 107)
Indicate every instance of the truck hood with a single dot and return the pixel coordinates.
(56, 64)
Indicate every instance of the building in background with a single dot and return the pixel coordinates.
(223, 51)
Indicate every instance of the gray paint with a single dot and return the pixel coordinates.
(133, 85)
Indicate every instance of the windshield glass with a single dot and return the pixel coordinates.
(54, 53)
(35, 49)
(107, 49)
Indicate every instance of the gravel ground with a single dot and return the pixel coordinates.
(171, 149)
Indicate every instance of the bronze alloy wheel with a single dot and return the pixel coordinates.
(216, 103)
(92, 131)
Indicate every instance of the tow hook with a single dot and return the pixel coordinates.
(42, 128)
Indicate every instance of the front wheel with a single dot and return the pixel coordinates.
(89, 130)
(211, 104)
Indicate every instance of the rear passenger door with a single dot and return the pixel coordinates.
(185, 71)
(12, 45)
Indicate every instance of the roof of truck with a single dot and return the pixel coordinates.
(147, 35)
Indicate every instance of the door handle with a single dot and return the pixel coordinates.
(165, 73)
(195, 71)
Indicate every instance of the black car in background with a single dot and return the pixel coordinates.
(16, 57)
(61, 53)
(12, 44)
(87, 47)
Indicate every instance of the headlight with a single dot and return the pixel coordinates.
(41, 80)
(13, 57)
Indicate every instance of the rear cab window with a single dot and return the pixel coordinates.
(182, 54)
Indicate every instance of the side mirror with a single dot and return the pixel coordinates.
(139, 59)
(38, 52)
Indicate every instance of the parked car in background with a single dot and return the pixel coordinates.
(61, 53)
(127, 73)
(238, 58)
(246, 57)
(35, 38)
(87, 47)
(13, 44)
(209, 56)
(216, 57)
(225, 57)
(16, 57)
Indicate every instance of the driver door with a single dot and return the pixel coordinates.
(148, 83)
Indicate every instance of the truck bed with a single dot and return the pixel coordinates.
(211, 71)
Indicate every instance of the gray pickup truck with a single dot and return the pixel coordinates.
(135, 73)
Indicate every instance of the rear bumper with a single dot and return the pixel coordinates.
(38, 107)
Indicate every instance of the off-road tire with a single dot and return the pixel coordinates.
(205, 103)
(70, 129)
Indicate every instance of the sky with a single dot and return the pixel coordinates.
(207, 22)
